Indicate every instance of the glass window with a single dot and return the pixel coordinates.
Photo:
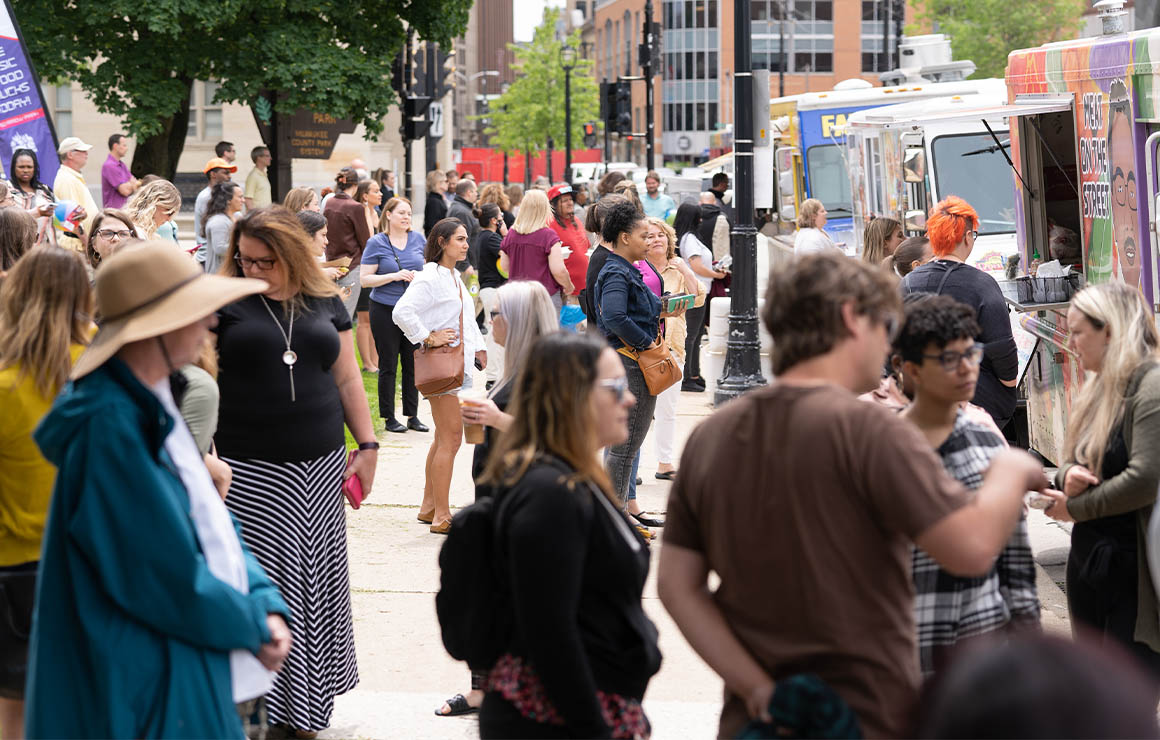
(63, 119)
(701, 125)
(869, 10)
(191, 129)
(690, 14)
(823, 62)
(830, 178)
(823, 10)
(690, 66)
(804, 10)
(689, 120)
(759, 10)
(803, 61)
(678, 14)
(972, 167)
(712, 65)
(712, 115)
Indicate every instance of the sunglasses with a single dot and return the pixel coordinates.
(262, 263)
(618, 386)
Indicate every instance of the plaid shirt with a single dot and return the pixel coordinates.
(950, 608)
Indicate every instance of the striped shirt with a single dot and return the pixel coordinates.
(949, 608)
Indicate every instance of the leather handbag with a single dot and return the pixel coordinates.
(440, 369)
(660, 369)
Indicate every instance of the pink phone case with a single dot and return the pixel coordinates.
(352, 486)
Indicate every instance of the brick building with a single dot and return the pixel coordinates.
(825, 41)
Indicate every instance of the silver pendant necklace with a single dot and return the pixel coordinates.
(289, 357)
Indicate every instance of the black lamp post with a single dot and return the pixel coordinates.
(568, 63)
(742, 370)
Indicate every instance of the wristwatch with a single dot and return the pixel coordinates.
(369, 446)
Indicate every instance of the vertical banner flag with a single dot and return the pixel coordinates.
(24, 123)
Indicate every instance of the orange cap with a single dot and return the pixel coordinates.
(219, 164)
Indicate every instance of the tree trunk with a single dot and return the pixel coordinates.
(159, 154)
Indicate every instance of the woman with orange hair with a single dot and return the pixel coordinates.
(952, 229)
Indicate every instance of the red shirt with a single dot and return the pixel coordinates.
(575, 238)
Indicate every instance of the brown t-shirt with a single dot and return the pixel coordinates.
(805, 500)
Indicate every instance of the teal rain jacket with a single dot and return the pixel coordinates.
(132, 632)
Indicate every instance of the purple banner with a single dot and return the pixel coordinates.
(24, 122)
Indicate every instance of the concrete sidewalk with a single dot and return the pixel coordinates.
(405, 673)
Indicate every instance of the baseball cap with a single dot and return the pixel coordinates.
(557, 190)
(218, 164)
(72, 144)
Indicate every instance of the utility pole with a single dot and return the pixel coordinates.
(408, 156)
(432, 91)
(568, 63)
(650, 114)
(742, 355)
(781, 51)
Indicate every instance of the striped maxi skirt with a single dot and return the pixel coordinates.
(293, 521)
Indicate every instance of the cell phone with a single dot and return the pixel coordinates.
(676, 302)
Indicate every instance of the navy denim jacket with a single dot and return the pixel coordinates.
(627, 311)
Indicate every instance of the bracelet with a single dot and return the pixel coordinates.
(369, 446)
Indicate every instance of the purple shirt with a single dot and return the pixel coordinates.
(651, 279)
(528, 256)
(114, 173)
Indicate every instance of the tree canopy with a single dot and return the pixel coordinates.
(986, 31)
(138, 61)
(532, 109)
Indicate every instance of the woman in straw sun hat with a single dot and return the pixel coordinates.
(152, 618)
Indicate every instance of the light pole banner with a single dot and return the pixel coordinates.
(24, 122)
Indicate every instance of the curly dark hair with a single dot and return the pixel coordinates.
(932, 319)
(619, 219)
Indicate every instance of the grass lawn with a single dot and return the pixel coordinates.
(371, 384)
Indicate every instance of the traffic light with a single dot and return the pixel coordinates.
(623, 122)
(415, 122)
(589, 135)
(608, 105)
(445, 68)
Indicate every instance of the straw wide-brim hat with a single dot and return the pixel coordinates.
(150, 289)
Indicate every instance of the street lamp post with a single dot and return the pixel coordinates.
(568, 63)
(742, 354)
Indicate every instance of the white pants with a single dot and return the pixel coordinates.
(490, 297)
(665, 423)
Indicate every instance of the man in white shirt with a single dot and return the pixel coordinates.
(70, 185)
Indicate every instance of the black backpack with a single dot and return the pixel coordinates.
(472, 604)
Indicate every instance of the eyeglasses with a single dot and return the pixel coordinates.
(618, 386)
(262, 263)
(110, 236)
(974, 234)
(495, 315)
(950, 360)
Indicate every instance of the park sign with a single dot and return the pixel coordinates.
(307, 134)
(24, 123)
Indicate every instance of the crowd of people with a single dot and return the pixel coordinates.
(173, 462)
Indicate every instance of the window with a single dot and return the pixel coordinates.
(829, 178)
(205, 116)
(970, 166)
(880, 19)
(63, 118)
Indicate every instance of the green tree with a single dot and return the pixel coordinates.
(986, 31)
(532, 109)
(139, 61)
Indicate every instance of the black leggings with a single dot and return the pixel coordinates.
(695, 322)
(393, 348)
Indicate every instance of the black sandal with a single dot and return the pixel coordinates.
(458, 705)
(667, 475)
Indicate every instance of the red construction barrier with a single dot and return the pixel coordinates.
(487, 164)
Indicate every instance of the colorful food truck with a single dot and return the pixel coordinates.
(904, 158)
(1085, 125)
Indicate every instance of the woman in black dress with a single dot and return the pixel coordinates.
(289, 382)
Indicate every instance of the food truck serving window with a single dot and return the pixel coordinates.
(830, 178)
(972, 167)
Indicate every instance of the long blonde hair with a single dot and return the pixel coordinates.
(552, 413)
(670, 236)
(46, 306)
(1132, 341)
(534, 210)
(143, 206)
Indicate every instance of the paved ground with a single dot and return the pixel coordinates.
(405, 672)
